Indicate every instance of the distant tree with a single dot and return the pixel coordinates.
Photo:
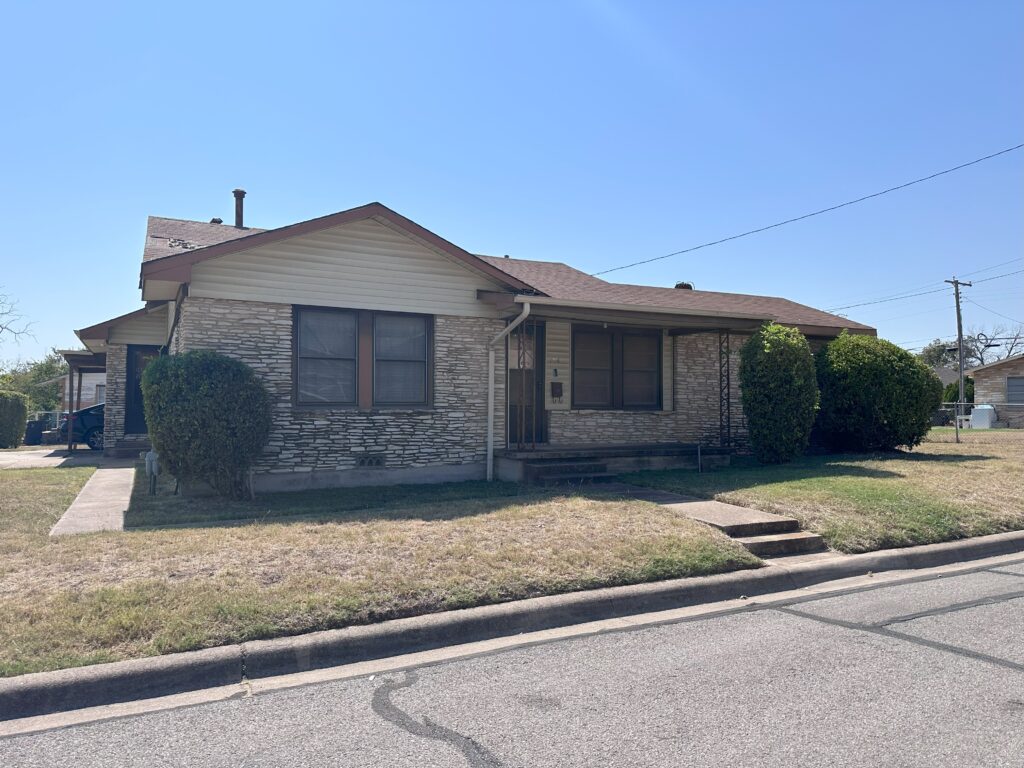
(942, 352)
(26, 377)
(937, 354)
(951, 392)
(12, 323)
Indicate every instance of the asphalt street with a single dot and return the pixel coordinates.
(927, 673)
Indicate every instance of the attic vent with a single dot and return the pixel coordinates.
(216, 221)
(370, 462)
(684, 286)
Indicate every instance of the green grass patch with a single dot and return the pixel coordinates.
(858, 503)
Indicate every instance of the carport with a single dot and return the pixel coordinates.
(80, 362)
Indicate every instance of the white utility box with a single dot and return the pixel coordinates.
(983, 417)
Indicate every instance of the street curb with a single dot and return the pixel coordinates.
(67, 689)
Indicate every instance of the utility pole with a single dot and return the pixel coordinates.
(960, 350)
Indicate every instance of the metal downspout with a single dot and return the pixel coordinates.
(490, 384)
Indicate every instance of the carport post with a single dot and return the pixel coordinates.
(71, 411)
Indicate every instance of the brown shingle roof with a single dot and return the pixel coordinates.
(167, 237)
(560, 281)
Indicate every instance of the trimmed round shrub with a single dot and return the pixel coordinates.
(780, 392)
(13, 415)
(208, 417)
(951, 393)
(874, 395)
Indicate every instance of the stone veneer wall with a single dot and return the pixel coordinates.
(113, 411)
(694, 416)
(331, 442)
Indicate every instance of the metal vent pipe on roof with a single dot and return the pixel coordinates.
(239, 195)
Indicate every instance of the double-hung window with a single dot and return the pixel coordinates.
(361, 358)
(616, 369)
(327, 369)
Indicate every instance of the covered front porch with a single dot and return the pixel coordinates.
(596, 390)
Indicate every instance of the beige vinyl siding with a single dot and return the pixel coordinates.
(362, 265)
(150, 328)
(558, 357)
(667, 356)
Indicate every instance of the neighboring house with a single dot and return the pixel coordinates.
(94, 387)
(1002, 384)
(393, 355)
(946, 375)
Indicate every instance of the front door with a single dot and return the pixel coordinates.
(526, 414)
(139, 356)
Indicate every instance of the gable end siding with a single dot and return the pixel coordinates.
(361, 265)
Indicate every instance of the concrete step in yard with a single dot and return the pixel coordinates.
(782, 544)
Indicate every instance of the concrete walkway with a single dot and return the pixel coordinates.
(100, 505)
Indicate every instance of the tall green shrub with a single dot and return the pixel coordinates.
(874, 395)
(780, 392)
(951, 392)
(13, 415)
(208, 417)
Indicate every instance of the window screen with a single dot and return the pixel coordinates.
(327, 367)
(400, 359)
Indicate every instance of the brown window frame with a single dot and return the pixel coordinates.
(617, 336)
(365, 361)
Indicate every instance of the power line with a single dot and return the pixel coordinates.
(999, 276)
(814, 213)
(1006, 317)
(939, 282)
(893, 298)
(986, 269)
(922, 293)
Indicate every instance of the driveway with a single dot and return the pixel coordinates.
(926, 673)
(46, 458)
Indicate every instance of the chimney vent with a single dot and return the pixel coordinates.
(239, 195)
(684, 286)
(216, 221)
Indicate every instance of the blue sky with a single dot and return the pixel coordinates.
(595, 132)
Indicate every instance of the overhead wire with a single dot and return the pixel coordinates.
(813, 213)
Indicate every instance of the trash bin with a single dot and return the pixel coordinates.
(983, 417)
(34, 432)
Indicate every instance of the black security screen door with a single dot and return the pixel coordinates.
(139, 356)
(526, 414)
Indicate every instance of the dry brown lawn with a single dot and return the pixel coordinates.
(101, 597)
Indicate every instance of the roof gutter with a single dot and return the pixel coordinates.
(490, 383)
(575, 303)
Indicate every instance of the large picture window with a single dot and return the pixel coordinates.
(356, 357)
(616, 369)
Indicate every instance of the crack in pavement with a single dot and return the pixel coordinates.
(476, 755)
(978, 603)
(893, 635)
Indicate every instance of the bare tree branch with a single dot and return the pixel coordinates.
(13, 324)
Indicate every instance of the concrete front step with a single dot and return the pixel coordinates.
(577, 479)
(779, 544)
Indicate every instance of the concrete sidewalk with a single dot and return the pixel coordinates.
(101, 504)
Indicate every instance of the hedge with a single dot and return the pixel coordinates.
(875, 396)
(779, 391)
(208, 417)
(13, 415)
